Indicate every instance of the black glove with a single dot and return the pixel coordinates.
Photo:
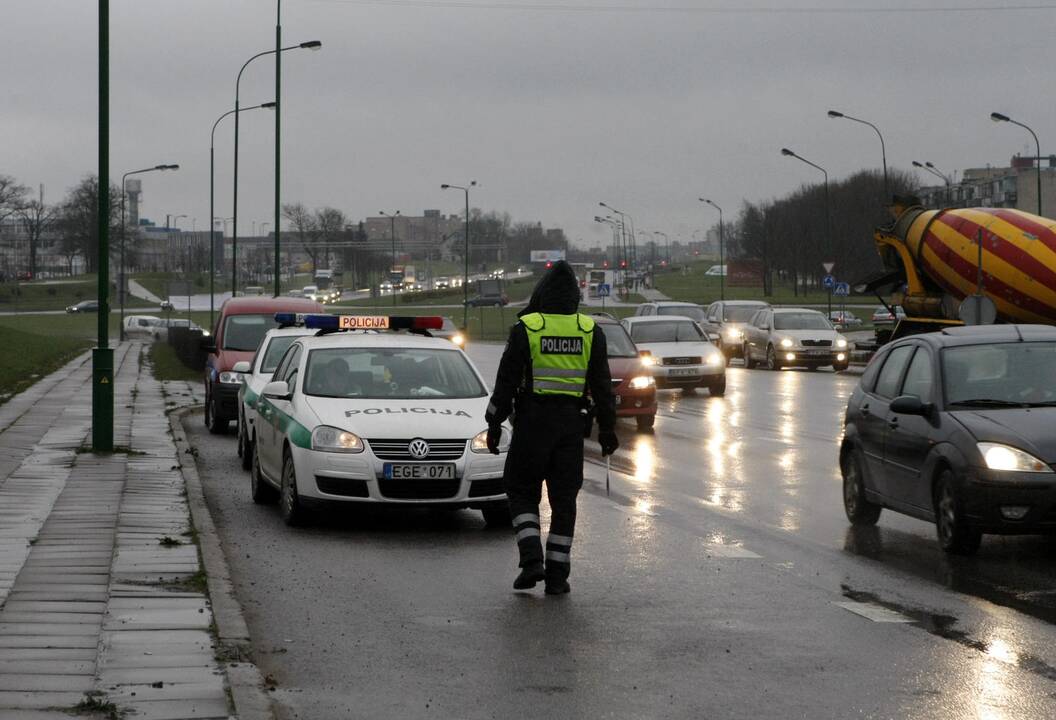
(494, 437)
(609, 442)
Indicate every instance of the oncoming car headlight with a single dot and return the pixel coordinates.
(458, 339)
(642, 382)
(1010, 459)
(787, 342)
(714, 358)
(231, 378)
(479, 443)
(648, 360)
(841, 343)
(331, 439)
(734, 334)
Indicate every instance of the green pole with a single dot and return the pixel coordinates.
(465, 277)
(103, 355)
(234, 203)
(278, 116)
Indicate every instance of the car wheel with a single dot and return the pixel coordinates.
(208, 403)
(260, 489)
(497, 514)
(771, 359)
(717, 386)
(955, 535)
(645, 422)
(749, 363)
(860, 511)
(244, 447)
(290, 507)
(216, 425)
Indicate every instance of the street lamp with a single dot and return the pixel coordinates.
(722, 244)
(883, 150)
(212, 214)
(124, 232)
(667, 243)
(828, 219)
(465, 275)
(998, 117)
(392, 238)
(928, 167)
(630, 249)
(615, 239)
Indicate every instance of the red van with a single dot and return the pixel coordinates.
(240, 327)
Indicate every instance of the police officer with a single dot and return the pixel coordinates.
(554, 358)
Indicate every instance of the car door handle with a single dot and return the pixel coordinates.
(893, 423)
(865, 409)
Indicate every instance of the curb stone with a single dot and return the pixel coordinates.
(244, 678)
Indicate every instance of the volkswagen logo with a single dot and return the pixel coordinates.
(418, 449)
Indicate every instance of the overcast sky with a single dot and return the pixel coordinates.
(551, 106)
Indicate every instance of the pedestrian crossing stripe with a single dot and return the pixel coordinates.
(874, 612)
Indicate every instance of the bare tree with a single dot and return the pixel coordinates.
(330, 224)
(79, 222)
(12, 195)
(304, 224)
(37, 218)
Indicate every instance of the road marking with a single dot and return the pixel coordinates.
(730, 551)
(874, 612)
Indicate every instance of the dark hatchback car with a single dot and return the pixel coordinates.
(632, 384)
(957, 428)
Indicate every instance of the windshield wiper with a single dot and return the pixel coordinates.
(990, 402)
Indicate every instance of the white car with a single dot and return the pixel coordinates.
(788, 337)
(255, 375)
(371, 416)
(142, 326)
(682, 356)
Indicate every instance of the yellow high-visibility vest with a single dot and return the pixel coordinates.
(560, 348)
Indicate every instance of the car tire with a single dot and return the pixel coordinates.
(290, 508)
(645, 422)
(749, 363)
(813, 368)
(860, 511)
(245, 449)
(771, 358)
(260, 489)
(497, 514)
(216, 425)
(956, 537)
(717, 386)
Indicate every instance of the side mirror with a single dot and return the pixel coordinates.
(277, 390)
(242, 366)
(910, 405)
(208, 345)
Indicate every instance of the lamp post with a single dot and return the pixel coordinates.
(615, 240)
(928, 167)
(124, 233)
(630, 250)
(883, 150)
(998, 117)
(103, 354)
(722, 247)
(465, 275)
(667, 244)
(212, 213)
(828, 219)
(310, 45)
(392, 238)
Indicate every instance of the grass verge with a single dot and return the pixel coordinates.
(167, 366)
(34, 356)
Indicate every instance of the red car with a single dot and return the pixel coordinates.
(241, 326)
(632, 383)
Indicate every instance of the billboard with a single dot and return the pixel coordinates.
(542, 256)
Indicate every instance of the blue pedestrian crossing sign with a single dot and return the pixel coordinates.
(604, 290)
(841, 289)
(828, 282)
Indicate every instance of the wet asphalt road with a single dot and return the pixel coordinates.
(706, 585)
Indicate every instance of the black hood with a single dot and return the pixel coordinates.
(557, 292)
(1029, 429)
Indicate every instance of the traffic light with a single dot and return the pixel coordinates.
(549, 264)
(605, 264)
(623, 263)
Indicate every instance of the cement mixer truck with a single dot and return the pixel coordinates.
(934, 256)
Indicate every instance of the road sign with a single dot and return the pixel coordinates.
(604, 290)
(828, 266)
(977, 310)
(828, 282)
(841, 289)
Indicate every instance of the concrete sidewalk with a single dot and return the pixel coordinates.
(102, 593)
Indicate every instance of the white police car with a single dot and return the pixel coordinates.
(255, 375)
(373, 416)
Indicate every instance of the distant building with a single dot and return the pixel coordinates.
(415, 234)
(1015, 186)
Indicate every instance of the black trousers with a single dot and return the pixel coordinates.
(547, 445)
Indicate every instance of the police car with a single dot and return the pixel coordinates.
(254, 375)
(358, 413)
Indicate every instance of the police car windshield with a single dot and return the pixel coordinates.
(618, 341)
(1013, 374)
(690, 311)
(801, 321)
(274, 352)
(739, 313)
(244, 332)
(390, 373)
(673, 331)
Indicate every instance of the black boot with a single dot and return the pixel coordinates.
(530, 574)
(557, 586)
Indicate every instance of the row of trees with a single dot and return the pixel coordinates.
(74, 220)
(789, 236)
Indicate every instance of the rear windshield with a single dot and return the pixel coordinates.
(244, 332)
(690, 311)
(740, 313)
(618, 341)
(801, 321)
(673, 331)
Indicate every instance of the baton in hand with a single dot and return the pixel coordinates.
(608, 471)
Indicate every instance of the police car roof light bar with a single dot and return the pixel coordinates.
(335, 323)
(286, 320)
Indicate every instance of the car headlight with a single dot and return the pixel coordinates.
(714, 359)
(648, 360)
(787, 342)
(331, 439)
(1010, 459)
(841, 343)
(458, 339)
(642, 382)
(734, 334)
(231, 378)
(205, 333)
(479, 443)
